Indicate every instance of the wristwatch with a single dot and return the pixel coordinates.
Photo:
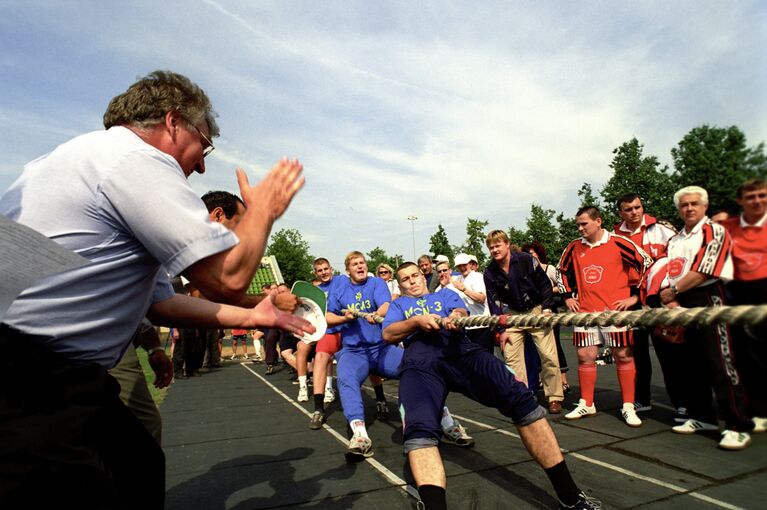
(674, 289)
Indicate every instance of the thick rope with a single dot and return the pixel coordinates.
(703, 316)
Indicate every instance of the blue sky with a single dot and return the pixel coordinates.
(443, 110)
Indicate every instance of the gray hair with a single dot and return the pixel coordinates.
(690, 190)
(147, 101)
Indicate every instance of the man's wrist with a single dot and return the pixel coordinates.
(152, 350)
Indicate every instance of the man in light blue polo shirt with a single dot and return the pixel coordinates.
(120, 198)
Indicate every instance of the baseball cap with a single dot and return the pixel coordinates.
(462, 258)
(441, 258)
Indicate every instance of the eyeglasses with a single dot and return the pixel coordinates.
(443, 271)
(205, 150)
(384, 272)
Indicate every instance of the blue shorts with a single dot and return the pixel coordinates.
(476, 374)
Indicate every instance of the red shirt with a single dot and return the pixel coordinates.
(651, 235)
(749, 248)
(239, 332)
(603, 273)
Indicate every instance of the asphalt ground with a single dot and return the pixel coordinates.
(237, 439)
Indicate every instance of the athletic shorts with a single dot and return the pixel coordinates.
(330, 343)
(609, 336)
(288, 342)
(239, 338)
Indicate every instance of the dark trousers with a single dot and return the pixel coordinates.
(750, 344)
(271, 339)
(68, 440)
(483, 337)
(709, 351)
(676, 370)
(643, 365)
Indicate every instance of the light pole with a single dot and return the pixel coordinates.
(412, 219)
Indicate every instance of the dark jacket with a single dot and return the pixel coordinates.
(525, 287)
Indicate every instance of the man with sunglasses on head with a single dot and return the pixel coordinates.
(120, 198)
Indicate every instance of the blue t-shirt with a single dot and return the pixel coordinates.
(366, 297)
(330, 289)
(422, 346)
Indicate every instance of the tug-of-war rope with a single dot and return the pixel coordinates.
(747, 315)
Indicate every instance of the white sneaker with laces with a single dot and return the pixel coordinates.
(303, 394)
(760, 424)
(581, 410)
(458, 435)
(359, 448)
(630, 415)
(693, 426)
(732, 440)
(330, 396)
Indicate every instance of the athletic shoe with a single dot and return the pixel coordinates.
(692, 426)
(680, 415)
(581, 410)
(457, 435)
(330, 396)
(360, 448)
(316, 421)
(303, 394)
(732, 440)
(584, 503)
(233, 357)
(639, 407)
(630, 415)
(760, 424)
(245, 357)
(382, 411)
(269, 369)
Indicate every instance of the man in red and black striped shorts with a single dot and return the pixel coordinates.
(598, 272)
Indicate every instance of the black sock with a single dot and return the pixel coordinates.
(319, 402)
(433, 497)
(567, 492)
(379, 393)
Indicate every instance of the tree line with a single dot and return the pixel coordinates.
(717, 159)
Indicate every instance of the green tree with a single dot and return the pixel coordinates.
(541, 228)
(566, 232)
(475, 241)
(644, 175)
(292, 254)
(518, 237)
(719, 160)
(439, 244)
(377, 256)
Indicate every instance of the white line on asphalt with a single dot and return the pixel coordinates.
(655, 481)
(390, 476)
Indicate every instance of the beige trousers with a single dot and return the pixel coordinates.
(514, 355)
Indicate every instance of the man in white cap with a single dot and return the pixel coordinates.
(471, 288)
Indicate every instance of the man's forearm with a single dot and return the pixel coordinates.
(190, 312)
(398, 331)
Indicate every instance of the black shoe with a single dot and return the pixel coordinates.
(316, 421)
(179, 375)
(269, 369)
(584, 503)
(382, 411)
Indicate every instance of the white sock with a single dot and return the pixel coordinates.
(358, 427)
(447, 419)
(302, 381)
(329, 384)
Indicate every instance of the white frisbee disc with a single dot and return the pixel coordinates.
(310, 311)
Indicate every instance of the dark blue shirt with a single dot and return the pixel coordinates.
(524, 287)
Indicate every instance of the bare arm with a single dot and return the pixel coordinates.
(226, 276)
(187, 311)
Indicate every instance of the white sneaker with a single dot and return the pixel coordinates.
(693, 426)
(359, 448)
(760, 424)
(457, 435)
(581, 410)
(303, 394)
(232, 357)
(630, 415)
(330, 396)
(732, 440)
